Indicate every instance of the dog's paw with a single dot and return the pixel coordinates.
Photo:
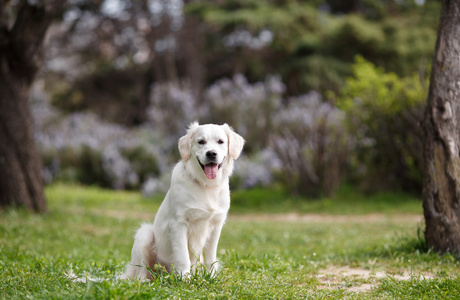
(214, 269)
(184, 275)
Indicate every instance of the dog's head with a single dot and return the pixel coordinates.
(212, 148)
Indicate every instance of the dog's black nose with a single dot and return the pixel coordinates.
(211, 154)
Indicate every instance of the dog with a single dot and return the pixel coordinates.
(188, 224)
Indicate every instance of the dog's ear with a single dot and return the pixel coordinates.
(185, 142)
(235, 142)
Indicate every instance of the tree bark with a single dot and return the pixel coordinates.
(21, 183)
(441, 183)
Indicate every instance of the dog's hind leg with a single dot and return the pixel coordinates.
(143, 254)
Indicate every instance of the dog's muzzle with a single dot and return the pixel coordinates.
(210, 169)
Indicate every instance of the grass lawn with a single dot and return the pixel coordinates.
(348, 246)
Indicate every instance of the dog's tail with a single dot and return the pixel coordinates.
(143, 254)
(143, 259)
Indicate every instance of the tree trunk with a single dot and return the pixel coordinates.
(21, 183)
(441, 183)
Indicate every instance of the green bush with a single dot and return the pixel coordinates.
(82, 164)
(384, 113)
(86, 165)
(89, 167)
(143, 162)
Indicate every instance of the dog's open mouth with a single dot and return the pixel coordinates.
(210, 169)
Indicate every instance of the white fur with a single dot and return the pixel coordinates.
(188, 224)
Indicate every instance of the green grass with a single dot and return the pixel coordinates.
(90, 231)
(346, 201)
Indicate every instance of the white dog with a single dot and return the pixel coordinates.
(187, 227)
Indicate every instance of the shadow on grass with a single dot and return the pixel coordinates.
(411, 251)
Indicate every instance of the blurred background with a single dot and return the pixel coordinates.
(326, 93)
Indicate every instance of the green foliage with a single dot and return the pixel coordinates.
(359, 35)
(384, 112)
(407, 48)
(379, 92)
(82, 164)
(118, 95)
(143, 161)
(90, 231)
(67, 99)
(88, 166)
(314, 48)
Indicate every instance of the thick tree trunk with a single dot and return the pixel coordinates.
(21, 183)
(441, 185)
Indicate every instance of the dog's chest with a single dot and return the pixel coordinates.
(208, 207)
(196, 216)
(201, 213)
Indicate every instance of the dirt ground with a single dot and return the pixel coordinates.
(319, 218)
(359, 280)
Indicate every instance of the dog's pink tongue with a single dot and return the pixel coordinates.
(211, 170)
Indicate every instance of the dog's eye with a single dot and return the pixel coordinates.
(220, 142)
(201, 142)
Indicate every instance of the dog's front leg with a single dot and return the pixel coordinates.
(210, 250)
(179, 245)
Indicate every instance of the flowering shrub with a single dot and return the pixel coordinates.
(248, 108)
(304, 139)
(117, 169)
(172, 108)
(256, 170)
(154, 185)
(312, 144)
(81, 147)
